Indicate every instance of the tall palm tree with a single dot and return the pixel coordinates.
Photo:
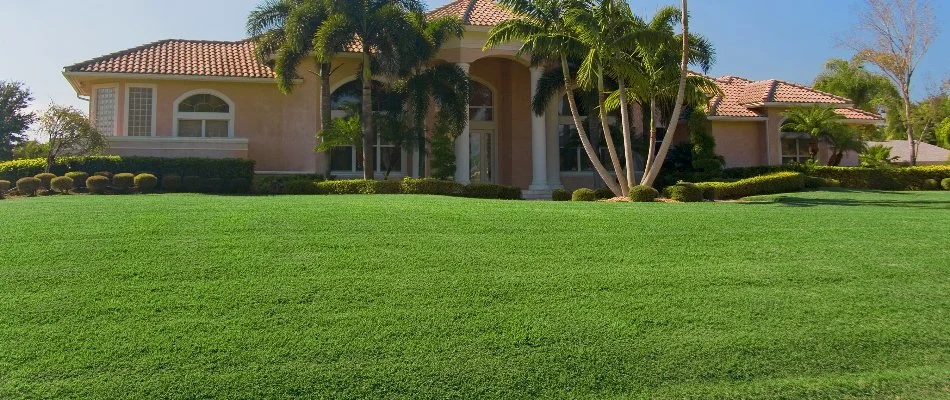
(383, 30)
(817, 122)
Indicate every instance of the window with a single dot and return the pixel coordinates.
(204, 115)
(572, 154)
(481, 104)
(141, 111)
(345, 159)
(105, 110)
(795, 150)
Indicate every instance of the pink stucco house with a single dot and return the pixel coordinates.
(179, 98)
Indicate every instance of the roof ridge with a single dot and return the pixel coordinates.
(800, 86)
(150, 45)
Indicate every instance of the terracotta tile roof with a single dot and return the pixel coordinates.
(743, 98)
(786, 92)
(182, 57)
(473, 12)
(856, 114)
(728, 105)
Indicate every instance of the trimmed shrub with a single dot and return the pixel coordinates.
(684, 192)
(45, 180)
(276, 184)
(643, 194)
(491, 191)
(204, 167)
(895, 178)
(78, 177)
(781, 182)
(191, 184)
(212, 185)
(430, 186)
(171, 183)
(814, 182)
(239, 185)
(4, 187)
(604, 193)
(354, 186)
(931, 184)
(97, 184)
(945, 184)
(146, 183)
(62, 184)
(584, 194)
(106, 174)
(28, 186)
(560, 195)
(122, 183)
(301, 186)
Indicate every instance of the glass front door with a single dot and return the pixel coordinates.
(482, 156)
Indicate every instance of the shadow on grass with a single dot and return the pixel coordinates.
(881, 198)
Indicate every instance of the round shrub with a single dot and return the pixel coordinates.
(684, 192)
(584, 194)
(560, 195)
(62, 184)
(123, 182)
(45, 179)
(643, 194)
(945, 184)
(191, 184)
(301, 186)
(171, 183)
(78, 177)
(106, 174)
(4, 187)
(146, 182)
(97, 184)
(931, 184)
(604, 193)
(28, 186)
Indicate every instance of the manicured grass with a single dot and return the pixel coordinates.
(820, 295)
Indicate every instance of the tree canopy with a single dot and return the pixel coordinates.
(15, 98)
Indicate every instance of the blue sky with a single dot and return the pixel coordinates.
(756, 39)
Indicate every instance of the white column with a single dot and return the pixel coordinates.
(554, 147)
(463, 171)
(539, 146)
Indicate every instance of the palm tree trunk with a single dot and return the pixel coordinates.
(581, 132)
(325, 111)
(611, 148)
(650, 176)
(651, 146)
(369, 170)
(905, 91)
(627, 143)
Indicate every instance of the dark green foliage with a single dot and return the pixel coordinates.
(146, 183)
(389, 187)
(896, 178)
(780, 182)
(931, 184)
(300, 186)
(945, 183)
(201, 167)
(604, 193)
(355, 186)
(239, 185)
(276, 184)
(15, 118)
(97, 184)
(62, 184)
(560, 195)
(684, 192)
(643, 194)
(191, 184)
(28, 186)
(212, 185)
(171, 183)
(78, 177)
(106, 174)
(122, 183)
(584, 194)
(431, 186)
(443, 155)
(491, 191)
(4, 187)
(45, 179)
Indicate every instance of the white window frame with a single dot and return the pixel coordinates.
(128, 105)
(176, 115)
(800, 156)
(472, 110)
(94, 106)
(334, 114)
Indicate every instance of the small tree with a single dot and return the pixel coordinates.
(817, 122)
(443, 153)
(876, 156)
(69, 133)
(14, 119)
(30, 149)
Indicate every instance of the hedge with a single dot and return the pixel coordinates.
(277, 184)
(684, 192)
(491, 191)
(560, 195)
(888, 178)
(431, 186)
(780, 182)
(584, 194)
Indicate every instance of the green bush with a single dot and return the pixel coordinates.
(684, 192)
(122, 183)
(945, 183)
(202, 167)
(276, 184)
(560, 195)
(146, 183)
(604, 193)
(814, 182)
(894, 178)
(28, 186)
(171, 183)
(239, 185)
(62, 184)
(584, 194)
(430, 186)
(78, 177)
(354, 186)
(643, 194)
(191, 184)
(780, 182)
(106, 174)
(301, 186)
(97, 184)
(5, 187)
(212, 185)
(931, 184)
(45, 180)
(491, 191)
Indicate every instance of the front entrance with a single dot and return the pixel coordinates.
(482, 153)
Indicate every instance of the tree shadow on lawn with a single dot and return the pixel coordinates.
(882, 198)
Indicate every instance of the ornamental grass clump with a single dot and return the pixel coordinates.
(62, 184)
(146, 183)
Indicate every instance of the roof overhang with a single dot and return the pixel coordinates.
(774, 104)
(74, 78)
(878, 122)
(737, 119)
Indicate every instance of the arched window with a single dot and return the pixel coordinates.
(204, 114)
(481, 104)
(349, 159)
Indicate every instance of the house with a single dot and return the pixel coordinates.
(927, 154)
(180, 98)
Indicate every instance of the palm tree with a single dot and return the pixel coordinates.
(384, 32)
(842, 141)
(817, 122)
(876, 156)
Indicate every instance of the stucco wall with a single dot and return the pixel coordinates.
(742, 144)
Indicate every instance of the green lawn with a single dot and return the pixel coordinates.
(820, 295)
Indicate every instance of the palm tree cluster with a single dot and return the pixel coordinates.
(395, 41)
(824, 124)
(601, 53)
